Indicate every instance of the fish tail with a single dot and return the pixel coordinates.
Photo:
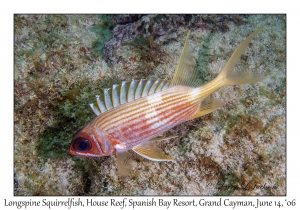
(230, 77)
(226, 77)
(186, 74)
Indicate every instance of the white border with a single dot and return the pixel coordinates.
(8, 9)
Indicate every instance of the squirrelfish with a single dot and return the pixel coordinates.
(132, 115)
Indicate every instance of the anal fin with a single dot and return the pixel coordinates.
(207, 106)
(151, 151)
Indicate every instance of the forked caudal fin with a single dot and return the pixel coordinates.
(227, 76)
(186, 73)
(231, 77)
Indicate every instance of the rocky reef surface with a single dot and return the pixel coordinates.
(63, 61)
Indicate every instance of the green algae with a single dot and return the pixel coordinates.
(71, 112)
(103, 33)
(204, 59)
(55, 140)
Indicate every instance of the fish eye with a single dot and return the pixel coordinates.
(82, 145)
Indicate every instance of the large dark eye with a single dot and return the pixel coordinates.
(82, 144)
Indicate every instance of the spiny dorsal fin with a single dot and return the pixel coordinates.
(127, 92)
(186, 74)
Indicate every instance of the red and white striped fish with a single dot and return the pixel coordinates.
(132, 115)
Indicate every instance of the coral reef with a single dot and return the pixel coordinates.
(62, 62)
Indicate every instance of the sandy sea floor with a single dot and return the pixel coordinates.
(63, 61)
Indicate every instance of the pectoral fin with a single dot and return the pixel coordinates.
(151, 151)
(207, 106)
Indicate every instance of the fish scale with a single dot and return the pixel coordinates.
(132, 115)
(161, 121)
(138, 109)
(129, 111)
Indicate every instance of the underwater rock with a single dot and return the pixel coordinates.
(125, 19)
(128, 27)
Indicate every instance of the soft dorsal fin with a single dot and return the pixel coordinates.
(127, 92)
(186, 74)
